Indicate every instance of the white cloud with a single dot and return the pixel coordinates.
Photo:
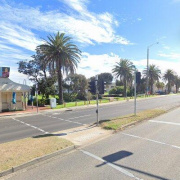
(163, 65)
(94, 64)
(16, 35)
(18, 77)
(175, 56)
(83, 25)
(139, 19)
(175, 1)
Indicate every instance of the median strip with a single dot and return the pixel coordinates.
(18, 152)
(120, 122)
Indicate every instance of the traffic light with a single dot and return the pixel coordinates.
(138, 77)
(101, 86)
(92, 87)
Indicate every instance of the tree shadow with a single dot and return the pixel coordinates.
(49, 135)
(112, 158)
(104, 120)
(64, 133)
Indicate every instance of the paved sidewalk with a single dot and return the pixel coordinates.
(84, 135)
(29, 110)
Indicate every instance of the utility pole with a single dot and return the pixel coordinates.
(37, 97)
(97, 104)
(147, 82)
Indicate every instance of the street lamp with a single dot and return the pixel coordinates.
(147, 84)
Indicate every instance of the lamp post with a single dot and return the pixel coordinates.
(147, 83)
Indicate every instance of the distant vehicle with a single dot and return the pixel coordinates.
(160, 92)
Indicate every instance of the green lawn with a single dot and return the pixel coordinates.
(104, 100)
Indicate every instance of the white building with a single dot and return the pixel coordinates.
(7, 87)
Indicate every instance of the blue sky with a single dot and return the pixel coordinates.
(104, 30)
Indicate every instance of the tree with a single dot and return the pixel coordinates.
(124, 70)
(169, 76)
(37, 71)
(177, 82)
(160, 85)
(61, 55)
(35, 68)
(77, 84)
(154, 75)
(106, 77)
(47, 86)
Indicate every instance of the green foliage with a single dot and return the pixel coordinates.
(69, 97)
(119, 90)
(154, 75)
(46, 86)
(76, 83)
(170, 77)
(61, 55)
(106, 77)
(124, 70)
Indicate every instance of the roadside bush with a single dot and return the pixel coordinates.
(119, 90)
(69, 97)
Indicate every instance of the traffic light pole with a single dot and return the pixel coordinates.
(135, 93)
(97, 103)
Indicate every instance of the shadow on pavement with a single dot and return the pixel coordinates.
(112, 158)
(64, 134)
(115, 157)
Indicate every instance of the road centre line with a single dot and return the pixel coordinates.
(80, 116)
(125, 172)
(45, 132)
(151, 140)
(165, 122)
(65, 119)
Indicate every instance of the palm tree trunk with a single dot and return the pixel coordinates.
(151, 88)
(60, 83)
(125, 88)
(169, 87)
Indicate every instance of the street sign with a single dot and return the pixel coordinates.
(4, 72)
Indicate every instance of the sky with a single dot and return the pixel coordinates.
(105, 31)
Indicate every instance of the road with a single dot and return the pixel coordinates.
(14, 128)
(149, 151)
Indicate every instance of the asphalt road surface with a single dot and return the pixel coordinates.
(13, 128)
(149, 151)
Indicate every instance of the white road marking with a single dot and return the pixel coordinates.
(71, 121)
(127, 173)
(79, 116)
(67, 119)
(158, 142)
(165, 122)
(31, 126)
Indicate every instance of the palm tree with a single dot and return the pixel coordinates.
(154, 75)
(124, 70)
(170, 77)
(62, 56)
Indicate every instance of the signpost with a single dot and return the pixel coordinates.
(4, 72)
(37, 97)
(97, 107)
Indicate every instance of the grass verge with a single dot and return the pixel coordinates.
(120, 122)
(21, 151)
